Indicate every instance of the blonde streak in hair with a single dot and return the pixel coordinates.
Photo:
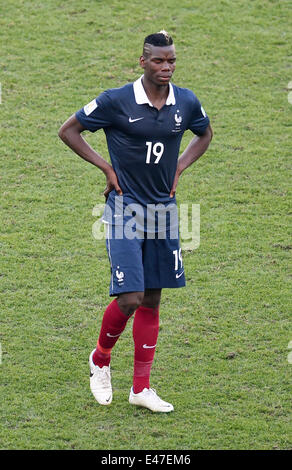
(165, 33)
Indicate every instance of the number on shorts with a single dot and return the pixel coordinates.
(177, 258)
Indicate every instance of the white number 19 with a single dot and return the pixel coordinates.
(157, 150)
(177, 258)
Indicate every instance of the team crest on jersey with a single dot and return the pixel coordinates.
(178, 121)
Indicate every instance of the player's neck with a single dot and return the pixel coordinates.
(157, 94)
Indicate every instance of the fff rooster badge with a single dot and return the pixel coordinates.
(178, 121)
(120, 276)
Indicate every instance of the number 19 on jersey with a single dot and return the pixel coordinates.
(156, 149)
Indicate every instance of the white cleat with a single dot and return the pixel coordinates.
(100, 382)
(149, 399)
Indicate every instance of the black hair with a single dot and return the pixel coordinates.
(161, 39)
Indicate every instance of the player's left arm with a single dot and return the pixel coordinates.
(196, 148)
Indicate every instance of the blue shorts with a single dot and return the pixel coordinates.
(148, 263)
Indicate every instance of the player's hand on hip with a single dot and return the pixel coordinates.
(174, 185)
(111, 184)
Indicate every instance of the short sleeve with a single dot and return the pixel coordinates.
(199, 120)
(96, 114)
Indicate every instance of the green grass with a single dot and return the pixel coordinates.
(222, 353)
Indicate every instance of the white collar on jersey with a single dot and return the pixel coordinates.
(142, 98)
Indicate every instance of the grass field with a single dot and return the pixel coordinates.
(223, 345)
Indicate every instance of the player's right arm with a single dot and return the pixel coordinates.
(70, 134)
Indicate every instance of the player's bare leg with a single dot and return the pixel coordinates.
(130, 301)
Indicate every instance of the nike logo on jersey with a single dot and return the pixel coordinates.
(134, 120)
(113, 336)
(145, 346)
(179, 275)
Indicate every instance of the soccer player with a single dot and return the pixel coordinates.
(144, 123)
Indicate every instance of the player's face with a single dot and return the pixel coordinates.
(158, 64)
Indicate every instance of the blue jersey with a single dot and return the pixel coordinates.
(144, 142)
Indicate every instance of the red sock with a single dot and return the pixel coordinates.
(145, 334)
(113, 324)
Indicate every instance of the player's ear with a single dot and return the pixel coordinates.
(142, 61)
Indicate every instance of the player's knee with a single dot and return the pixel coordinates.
(152, 298)
(128, 303)
(151, 303)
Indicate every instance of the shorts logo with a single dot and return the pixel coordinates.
(179, 275)
(120, 276)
